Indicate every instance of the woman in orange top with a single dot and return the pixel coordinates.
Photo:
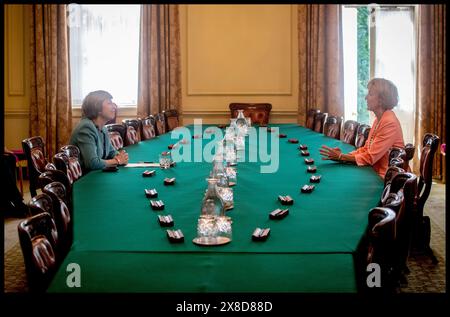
(385, 133)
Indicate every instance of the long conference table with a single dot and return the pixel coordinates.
(121, 248)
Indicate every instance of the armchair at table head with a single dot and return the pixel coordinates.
(133, 134)
(319, 121)
(171, 117)
(350, 131)
(362, 135)
(34, 150)
(259, 113)
(160, 123)
(61, 214)
(148, 128)
(332, 127)
(310, 117)
(38, 240)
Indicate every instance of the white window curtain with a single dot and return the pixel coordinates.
(104, 48)
(395, 60)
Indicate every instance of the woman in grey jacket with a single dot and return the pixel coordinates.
(91, 137)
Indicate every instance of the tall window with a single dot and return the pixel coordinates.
(104, 48)
(380, 41)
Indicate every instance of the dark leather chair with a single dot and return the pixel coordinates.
(148, 128)
(132, 137)
(332, 127)
(381, 237)
(171, 117)
(160, 123)
(310, 116)
(73, 152)
(117, 138)
(38, 240)
(62, 163)
(319, 121)
(388, 177)
(259, 113)
(34, 150)
(404, 185)
(422, 225)
(362, 135)
(55, 175)
(350, 131)
(62, 215)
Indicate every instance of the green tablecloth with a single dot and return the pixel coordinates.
(117, 234)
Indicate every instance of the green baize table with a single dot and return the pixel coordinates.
(120, 246)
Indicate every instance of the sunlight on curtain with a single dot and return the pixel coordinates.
(350, 62)
(395, 60)
(104, 48)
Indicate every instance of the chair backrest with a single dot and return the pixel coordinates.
(62, 163)
(259, 113)
(332, 127)
(171, 117)
(73, 152)
(61, 214)
(310, 116)
(429, 146)
(350, 131)
(116, 140)
(38, 240)
(34, 150)
(362, 135)
(160, 123)
(404, 184)
(50, 176)
(116, 127)
(381, 235)
(148, 128)
(41, 203)
(319, 121)
(133, 136)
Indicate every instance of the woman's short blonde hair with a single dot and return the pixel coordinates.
(387, 92)
(93, 103)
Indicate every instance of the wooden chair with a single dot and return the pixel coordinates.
(332, 127)
(259, 113)
(160, 123)
(117, 133)
(422, 225)
(381, 235)
(62, 215)
(362, 135)
(350, 131)
(132, 136)
(54, 175)
(171, 118)
(73, 152)
(38, 238)
(62, 163)
(34, 150)
(148, 128)
(310, 117)
(403, 184)
(319, 121)
(388, 177)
